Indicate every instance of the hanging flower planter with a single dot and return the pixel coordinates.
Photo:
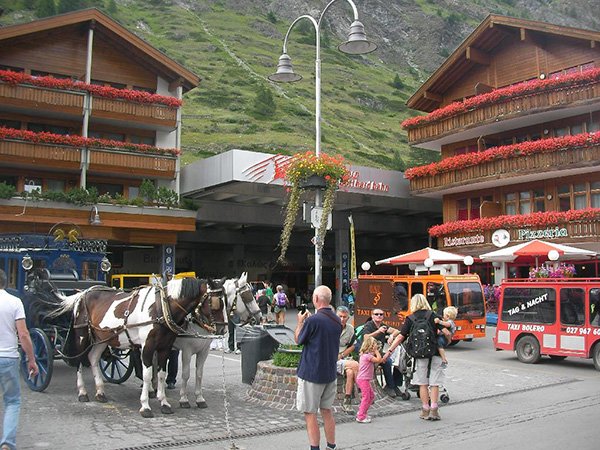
(308, 171)
(313, 182)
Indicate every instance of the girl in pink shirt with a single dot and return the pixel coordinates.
(369, 357)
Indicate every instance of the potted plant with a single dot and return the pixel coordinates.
(309, 171)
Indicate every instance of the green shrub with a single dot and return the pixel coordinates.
(7, 190)
(281, 359)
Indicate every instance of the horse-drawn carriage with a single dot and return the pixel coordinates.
(42, 270)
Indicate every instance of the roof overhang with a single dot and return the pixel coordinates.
(167, 67)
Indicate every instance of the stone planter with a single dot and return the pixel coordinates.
(313, 182)
(275, 387)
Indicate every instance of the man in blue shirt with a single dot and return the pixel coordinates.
(319, 334)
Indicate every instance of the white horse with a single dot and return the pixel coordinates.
(238, 300)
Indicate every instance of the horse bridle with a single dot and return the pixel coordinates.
(209, 323)
(240, 290)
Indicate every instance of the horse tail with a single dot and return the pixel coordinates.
(67, 303)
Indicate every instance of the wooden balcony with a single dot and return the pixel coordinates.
(583, 230)
(535, 103)
(506, 171)
(106, 161)
(123, 110)
(33, 99)
(36, 98)
(129, 163)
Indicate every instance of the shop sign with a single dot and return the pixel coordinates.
(525, 234)
(464, 240)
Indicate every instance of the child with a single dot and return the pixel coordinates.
(446, 333)
(369, 357)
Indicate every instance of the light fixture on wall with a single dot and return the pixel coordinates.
(542, 76)
(95, 216)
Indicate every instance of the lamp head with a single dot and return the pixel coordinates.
(365, 266)
(428, 263)
(285, 72)
(469, 260)
(553, 255)
(95, 217)
(357, 43)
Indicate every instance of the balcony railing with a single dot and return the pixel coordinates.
(504, 109)
(102, 160)
(570, 232)
(33, 97)
(39, 98)
(507, 170)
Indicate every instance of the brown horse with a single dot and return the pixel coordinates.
(149, 317)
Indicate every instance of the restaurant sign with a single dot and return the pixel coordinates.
(525, 234)
(464, 240)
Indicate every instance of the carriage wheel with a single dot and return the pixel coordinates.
(117, 367)
(44, 357)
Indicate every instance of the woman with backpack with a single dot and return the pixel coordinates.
(420, 333)
(281, 303)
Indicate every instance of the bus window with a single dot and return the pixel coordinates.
(572, 309)
(416, 288)
(467, 298)
(436, 296)
(529, 305)
(595, 307)
(400, 297)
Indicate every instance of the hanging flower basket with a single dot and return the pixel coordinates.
(308, 171)
(313, 182)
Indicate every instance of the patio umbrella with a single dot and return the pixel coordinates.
(419, 256)
(535, 249)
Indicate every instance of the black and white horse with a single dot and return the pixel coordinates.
(150, 317)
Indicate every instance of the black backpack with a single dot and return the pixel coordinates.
(421, 341)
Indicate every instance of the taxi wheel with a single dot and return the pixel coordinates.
(596, 356)
(528, 350)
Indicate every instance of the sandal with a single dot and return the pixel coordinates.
(434, 414)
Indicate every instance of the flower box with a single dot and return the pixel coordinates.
(313, 182)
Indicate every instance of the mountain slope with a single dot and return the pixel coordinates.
(234, 45)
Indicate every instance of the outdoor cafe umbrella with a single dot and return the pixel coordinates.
(533, 250)
(419, 256)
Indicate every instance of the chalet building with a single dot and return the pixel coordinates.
(86, 103)
(515, 113)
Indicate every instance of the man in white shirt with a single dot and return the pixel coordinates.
(12, 324)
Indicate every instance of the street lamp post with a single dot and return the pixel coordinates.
(356, 44)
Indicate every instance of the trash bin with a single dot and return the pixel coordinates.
(258, 343)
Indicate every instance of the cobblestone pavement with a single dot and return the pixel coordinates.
(55, 419)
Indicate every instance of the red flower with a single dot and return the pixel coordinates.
(534, 220)
(11, 77)
(79, 141)
(459, 162)
(506, 93)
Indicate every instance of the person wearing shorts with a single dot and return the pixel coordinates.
(429, 374)
(319, 334)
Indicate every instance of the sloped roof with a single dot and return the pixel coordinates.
(136, 47)
(486, 37)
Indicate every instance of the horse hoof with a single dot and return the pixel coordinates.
(101, 398)
(201, 405)
(166, 409)
(83, 398)
(146, 413)
(152, 394)
(184, 405)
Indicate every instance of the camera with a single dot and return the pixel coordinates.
(302, 308)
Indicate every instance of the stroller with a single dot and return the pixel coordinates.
(405, 363)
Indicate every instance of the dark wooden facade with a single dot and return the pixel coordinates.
(87, 46)
(503, 53)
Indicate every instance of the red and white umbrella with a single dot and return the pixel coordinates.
(419, 256)
(533, 250)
